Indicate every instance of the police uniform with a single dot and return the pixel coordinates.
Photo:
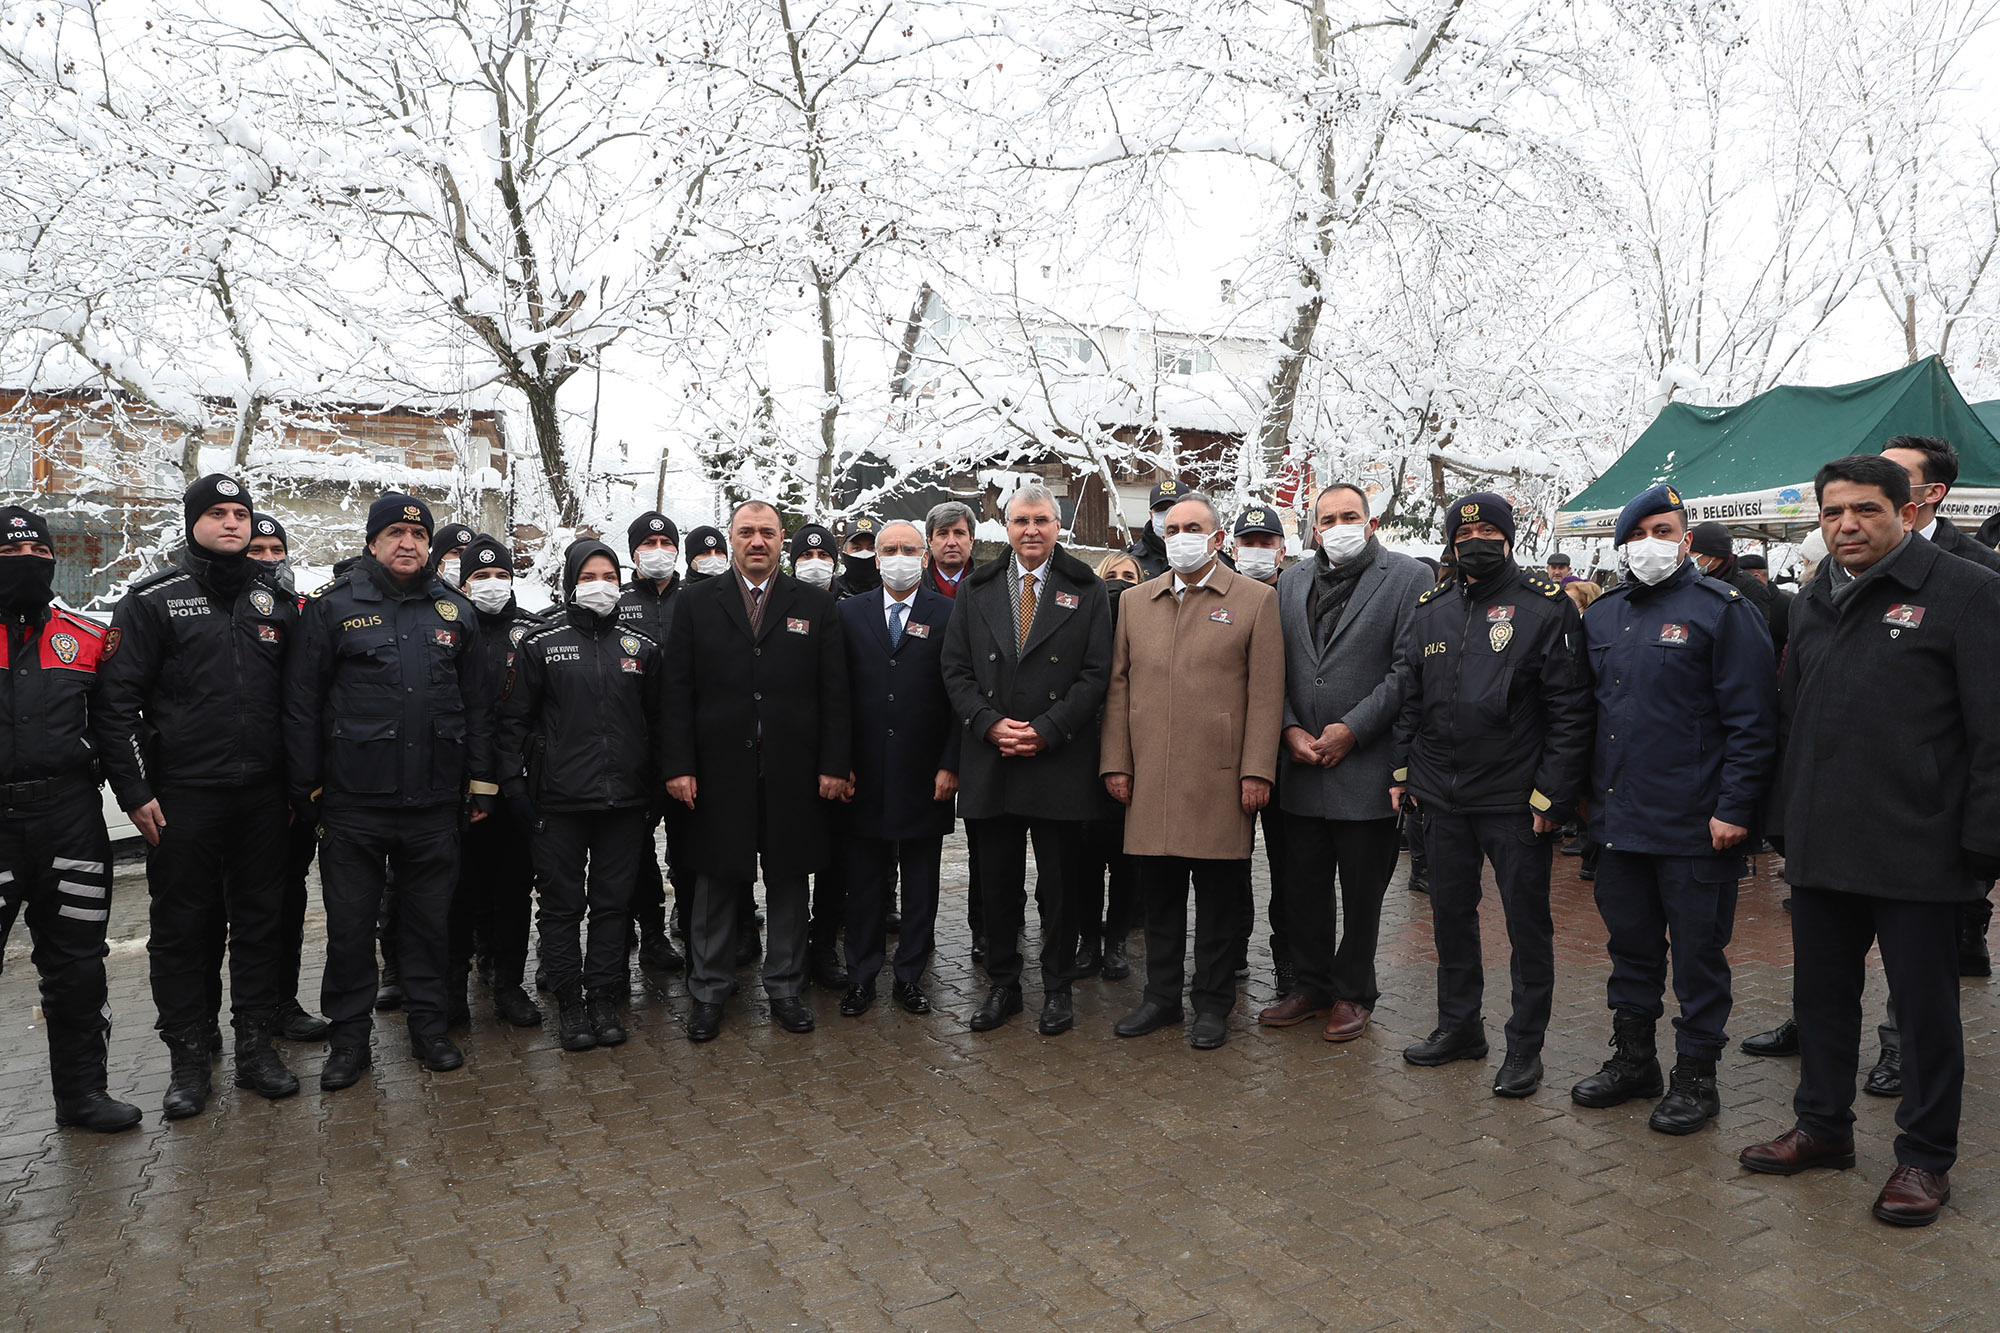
(703, 542)
(189, 715)
(1685, 686)
(1271, 819)
(647, 607)
(1150, 549)
(577, 736)
(55, 856)
(388, 720)
(859, 574)
(1494, 729)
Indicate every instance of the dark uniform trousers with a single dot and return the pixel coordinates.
(1360, 855)
(1688, 903)
(1521, 863)
(613, 843)
(1276, 827)
(495, 898)
(829, 891)
(1002, 850)
(872, 866)
(55, 862)
(1831, 934)
(1110, 883)
(1218, 927)
(301, 846)
(220, 864)
(359, 849)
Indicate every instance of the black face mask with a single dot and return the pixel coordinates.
(1481, 557)
(27, 582)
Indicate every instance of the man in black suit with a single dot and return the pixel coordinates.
(1026, 661)
(755, 738)
(906, 744)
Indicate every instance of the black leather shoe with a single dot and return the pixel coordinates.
(605, 1025)
(658, 954)
(1150, 1016)
(1519, 1076)
(704, 1021)
(99, 1111)
(1210, 1031)
(573, 1028)
(295, 1024)
(911, 996)
(343, 1068)
(1116, 966)
(1886, 1078)
(858, 1000)
(1002, 1003)
(1780, 1040)
(1691, 1099)
(1087, 961)
(1442, 1047)
(512, 1006)
(1058, 1014)
(389, 994)
(439, 1054)
(791, 1013)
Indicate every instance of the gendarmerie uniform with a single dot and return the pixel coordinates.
(388, 727)
(55, 856)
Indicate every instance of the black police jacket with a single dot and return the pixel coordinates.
(1150, 550)
(643, 607)
(191, 691)
(1496, 714)
(387, 704)
(579, 726)
(499, 640)
(1686, 690)
(1947, 538)
(48, 678)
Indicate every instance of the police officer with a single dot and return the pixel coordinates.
(647, 605)
(1150, 547)
(1685, 684)
(858, 573)
(496, 877)
(578, 736)
(448, 551)
(388, 718)
(707, 553)
(812, 563)
(188, 724)
(1491, 746)
(55, 856)
(812, 556)
(1260, 555)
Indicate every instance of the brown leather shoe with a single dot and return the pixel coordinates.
(1349, 1020)
(1293, 1010)
(1913, 1196)
(1796, 1151)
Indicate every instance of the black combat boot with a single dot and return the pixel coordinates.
(295, 1024)
(573, 1026)
(605, 1026)
(258, 1067)
(76, 1071)
(1691, 1101)
(513, 1005)
(389, 991)
(1633, 1069)
(188, 1077)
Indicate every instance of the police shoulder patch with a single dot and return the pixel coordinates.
(1723, 590)
(263, 601)
(446, 608)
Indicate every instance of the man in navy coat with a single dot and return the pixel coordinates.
(906, 743)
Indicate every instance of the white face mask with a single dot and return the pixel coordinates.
(656, 563)
(1256, 562)
(490, 595)
(1160, 523)
(1343, 541)
(901, 572)
(818, 573)
(1652, 559)
(1187, 552)
(448, 571)
(598, 597)
(710, 565)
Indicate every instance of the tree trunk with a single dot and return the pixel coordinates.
(548, 445)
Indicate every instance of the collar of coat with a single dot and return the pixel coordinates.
(1163, 585)
(1908, 564)
(1060, 562)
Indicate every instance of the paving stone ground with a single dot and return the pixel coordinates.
(900, 1172)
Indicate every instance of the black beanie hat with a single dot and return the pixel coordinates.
(450, 537)
(706, 540)
(814, 538)
(264, 525)
(396, 507)
(580, 551)
(484, 552)
(25, 525)
(1479, 507)
(212, 490)
(649, 525)
(1711, 539)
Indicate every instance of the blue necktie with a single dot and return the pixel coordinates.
(896, 614)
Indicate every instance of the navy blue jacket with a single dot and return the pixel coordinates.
(904, 729)
(1686, 689)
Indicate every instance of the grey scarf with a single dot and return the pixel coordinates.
(1333, 588)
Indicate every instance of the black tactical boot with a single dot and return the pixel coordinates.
(258, 1067)
(573, 1021)
(513, 1006)
(76, 1071)
(1116, 966)
(1691, 1101)
(389, 991)
(188, 1079)
(1633, 1069)
(295, 1024)
(605, 1026)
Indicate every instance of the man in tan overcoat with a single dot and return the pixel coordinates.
(1190, 745)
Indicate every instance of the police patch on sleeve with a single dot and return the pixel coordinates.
(515, 634)
(263, 601)
(446, 609)
(630, 645)
(112, 638)
(65, 648)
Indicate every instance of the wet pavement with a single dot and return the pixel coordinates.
(895, 1171)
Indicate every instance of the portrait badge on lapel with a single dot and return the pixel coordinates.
(797, 626)
(917, 629)
(1903, 616)
(1222, 617)
(1066, 600)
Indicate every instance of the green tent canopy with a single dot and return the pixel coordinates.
(1751, 465)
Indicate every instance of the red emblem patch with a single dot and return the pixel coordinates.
(1905, 615)
(267, 633)
(1066, 600)
(1495, 614)
(112, 638)
(444, 638)
(630, 664)
(798, 626)
(1222, 617)
(1673, 634)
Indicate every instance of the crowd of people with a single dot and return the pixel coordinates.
(819, 712)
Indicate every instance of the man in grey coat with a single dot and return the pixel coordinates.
(1343, 612)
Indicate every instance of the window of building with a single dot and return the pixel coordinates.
(17, 454)
(1184, 359)
(1064, 348)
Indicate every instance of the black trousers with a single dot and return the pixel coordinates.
(829, 891)
(301, 846)
(55, 866)
(649, 891)
(872, 865)
(1457, 844)
(1831, 935)
(1002, 852)
(1652, 905)
(1108, 887)
(360, 848)
(220, 859)
(975, 919)
(1276, 825)
(1218, 926)
(586, 862)
(495, 897)
(1348, 861)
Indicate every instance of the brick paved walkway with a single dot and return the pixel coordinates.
(902, 1172)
